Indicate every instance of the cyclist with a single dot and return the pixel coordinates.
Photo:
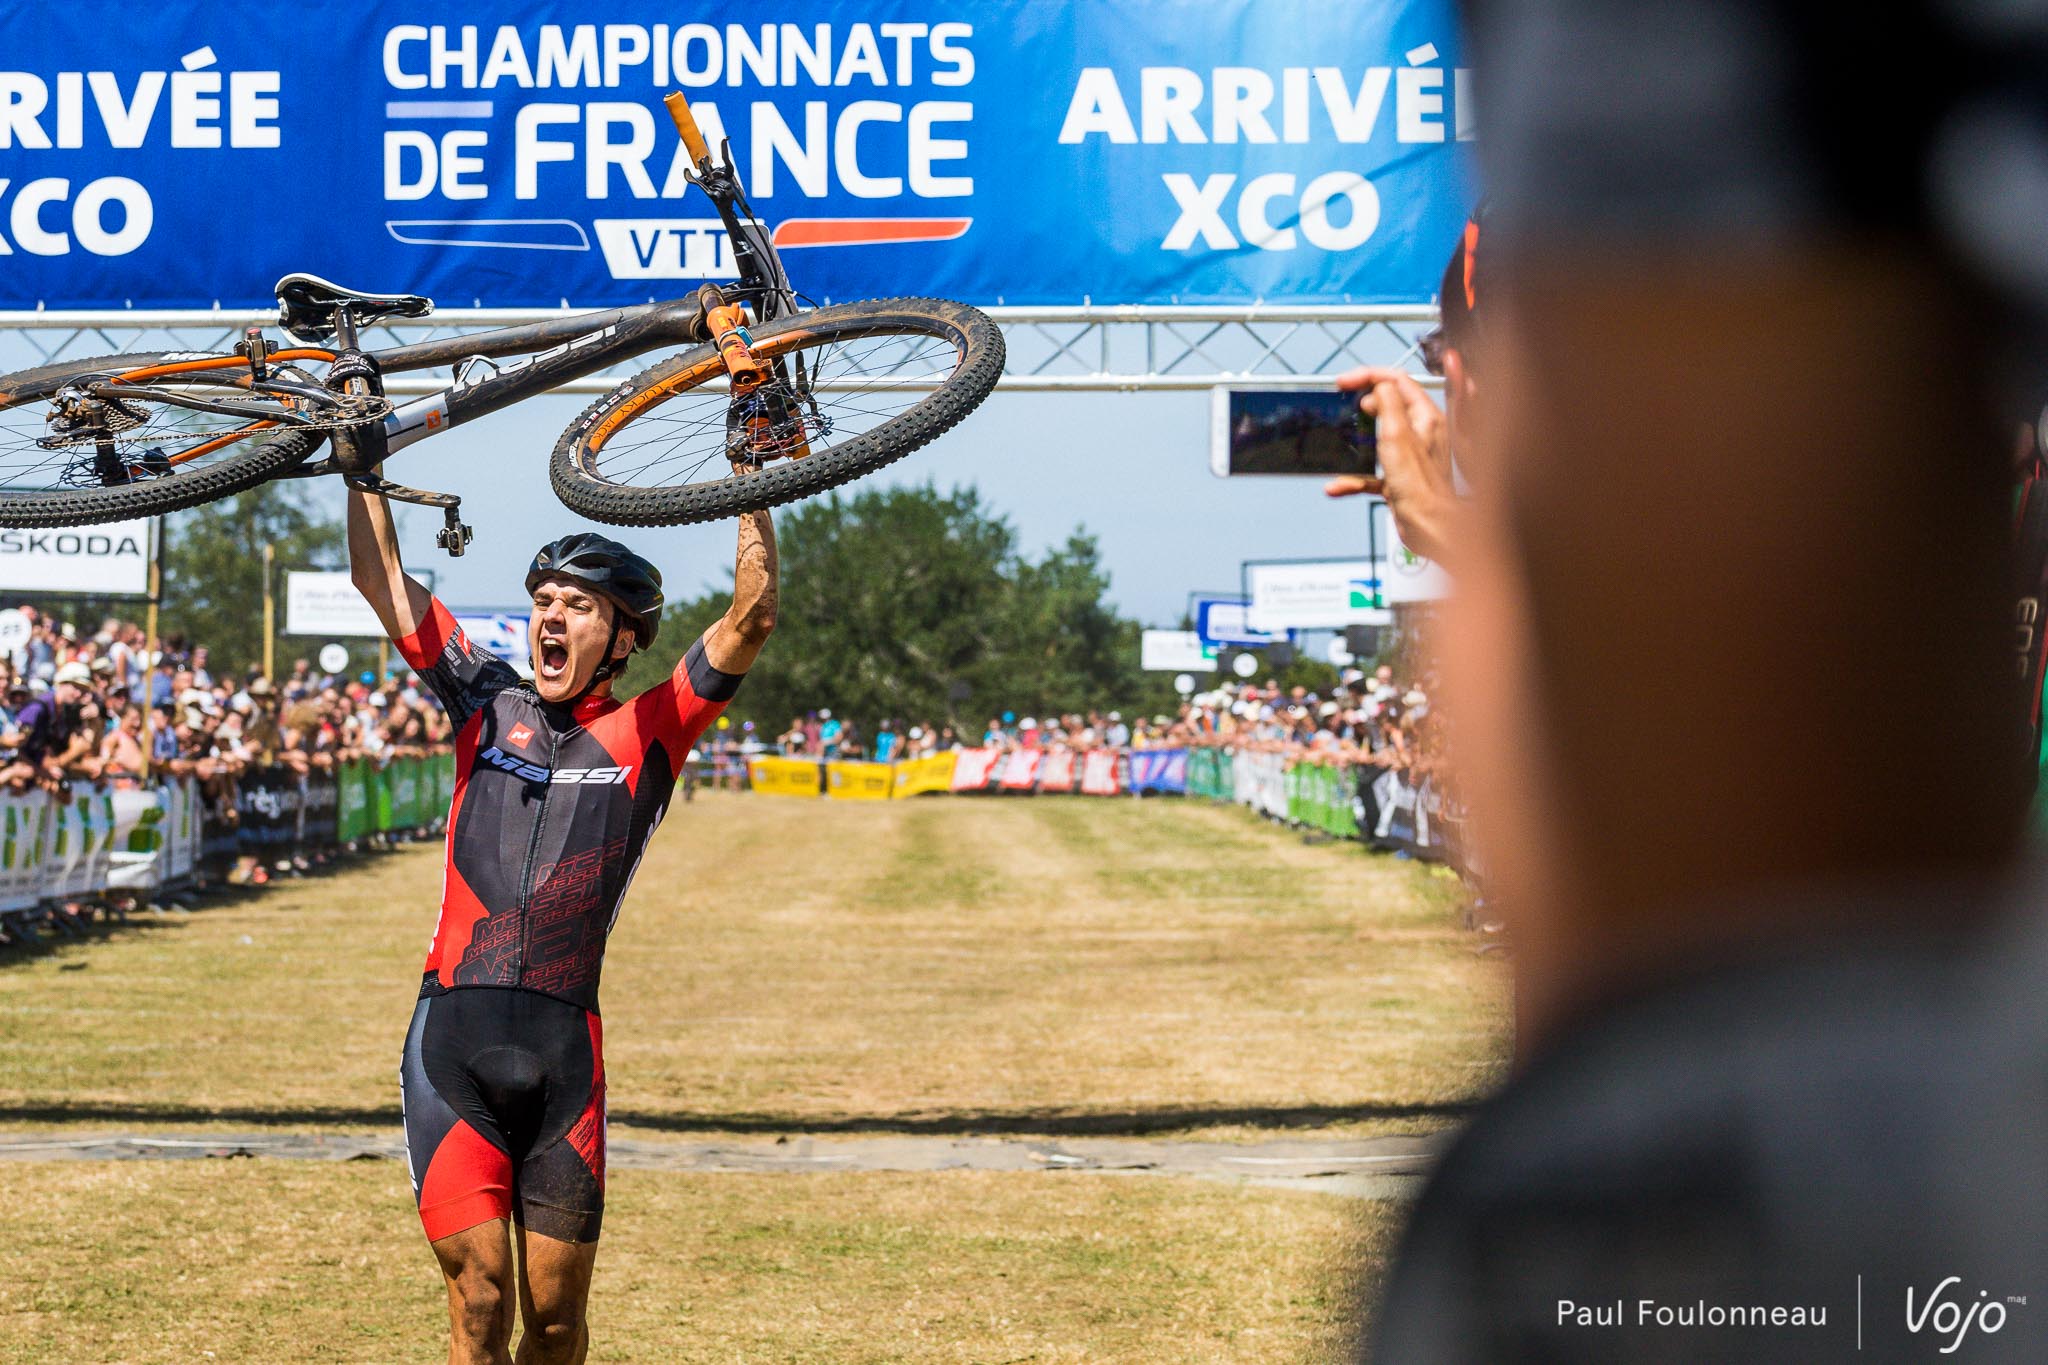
(558, 787)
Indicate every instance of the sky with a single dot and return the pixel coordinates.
(1133, 468)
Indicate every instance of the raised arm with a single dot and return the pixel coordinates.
(400, 602)
(734, 641)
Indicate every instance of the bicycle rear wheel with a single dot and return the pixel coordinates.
(854, 387)
(76, 450)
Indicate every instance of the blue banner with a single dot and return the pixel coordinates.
(1159, 770)
(517, 155)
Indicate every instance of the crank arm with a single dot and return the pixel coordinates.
(454, 537)
(379, 486)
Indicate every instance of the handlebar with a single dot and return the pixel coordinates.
(686, 124)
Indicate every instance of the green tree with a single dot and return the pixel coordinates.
(213, 570)
(916, 604)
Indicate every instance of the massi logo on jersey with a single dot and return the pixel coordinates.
(533, 772)
(519, 735)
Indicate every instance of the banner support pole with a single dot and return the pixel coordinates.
(269, 613)
(153, 650)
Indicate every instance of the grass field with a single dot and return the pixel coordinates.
(294, 1261)
(939, 966)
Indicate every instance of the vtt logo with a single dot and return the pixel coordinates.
(1955, 1318)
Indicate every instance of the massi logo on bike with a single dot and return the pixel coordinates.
(478, 369)
(1950, 1312)
(533, 772)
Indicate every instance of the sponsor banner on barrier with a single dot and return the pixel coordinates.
(352, 801)
(1020, 770)
(851, 781)
(22, 817)
(1098, 773)
(1056, 773)
(972, 769)
(110, 560)
(932, 773)
(517, 155)
(783, 776)
(1159, 770)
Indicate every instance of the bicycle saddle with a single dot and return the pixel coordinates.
(306, 305)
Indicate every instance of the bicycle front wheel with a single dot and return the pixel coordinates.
(853, 387)
(120, 436)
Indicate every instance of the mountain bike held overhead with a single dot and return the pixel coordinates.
(770, 402)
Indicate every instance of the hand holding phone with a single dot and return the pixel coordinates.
(1415, 474)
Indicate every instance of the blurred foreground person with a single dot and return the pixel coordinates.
(1756, 326)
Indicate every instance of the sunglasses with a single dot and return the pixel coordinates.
(1431, 348)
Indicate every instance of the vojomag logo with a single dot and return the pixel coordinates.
(1955, 1317)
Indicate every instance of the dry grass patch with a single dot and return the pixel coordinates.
(287, 1261)
(933, 965)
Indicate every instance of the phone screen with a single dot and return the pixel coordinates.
(1283, 431)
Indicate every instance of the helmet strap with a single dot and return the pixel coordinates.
(607, 667)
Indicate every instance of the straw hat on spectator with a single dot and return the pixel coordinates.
(197, 705)
(259, 687)
(75, 673)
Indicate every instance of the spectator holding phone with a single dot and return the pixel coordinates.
(1418, 443)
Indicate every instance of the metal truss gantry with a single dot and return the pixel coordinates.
(1088, 348)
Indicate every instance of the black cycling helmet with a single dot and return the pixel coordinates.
(602, 564)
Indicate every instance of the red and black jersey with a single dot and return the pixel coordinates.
(553, 808)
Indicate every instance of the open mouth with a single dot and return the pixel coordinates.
(554, 661)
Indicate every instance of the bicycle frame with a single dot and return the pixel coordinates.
(542, 354)
(490, 370)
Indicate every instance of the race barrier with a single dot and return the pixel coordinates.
(1101, 773)
(128, 841)
(855, 781)
(784, 776)
(916, 776)
(1155, 771)
(974, 769)
(1020, 770)
(1318, 794)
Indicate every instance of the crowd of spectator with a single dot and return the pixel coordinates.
(105, 708)
(1365, 718)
